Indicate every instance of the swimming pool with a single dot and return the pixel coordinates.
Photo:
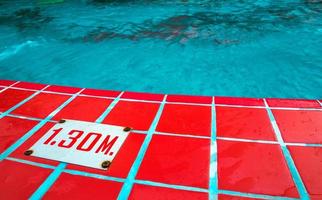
(231, 48)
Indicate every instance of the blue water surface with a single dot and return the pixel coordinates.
(250, 48)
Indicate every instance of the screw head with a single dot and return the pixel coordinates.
(105, 164)
(127, 129)
(61, 121)
(28, 152)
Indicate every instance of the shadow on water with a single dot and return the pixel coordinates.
(217, 27)
(26, 19)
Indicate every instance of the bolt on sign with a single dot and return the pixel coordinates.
(82, 143)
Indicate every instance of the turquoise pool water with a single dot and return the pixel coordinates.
(264, 48)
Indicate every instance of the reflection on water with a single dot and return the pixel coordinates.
(25, 18)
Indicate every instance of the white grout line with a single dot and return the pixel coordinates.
(182, 135)
(22, 102)
(38, 126)
(7, 87)
(303, 144)
(304, 109)
(145, 101)
(189, 104)
(28, 118)
(247, 140)
(94, 96)
(263, 107)
(320, 102)
(238, 106)
(175, 103)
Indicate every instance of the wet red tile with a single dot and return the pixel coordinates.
(11, 129)
(293, 103)
(228, 197)
(239, 101)
(142, 96)
(19, 181)
(19, 153)
(160, 193)
(63, 89)
(11, 97)
(41, 105)
(70, 186)
(189, 99)
(247, 123)
(185, 119)
(176, 160)
(103, 93)
(6, 82)
(84, 108)
(123, 161)
(308, 161)
(138, 115)
(300, 126)
(33, 86)
(254, 168)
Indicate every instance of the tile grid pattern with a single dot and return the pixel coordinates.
(213, 181)
(289, 160)
(128, 184)
(178, 103)
(192, 136)
(40, 192)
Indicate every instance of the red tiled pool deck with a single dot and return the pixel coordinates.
(181, 147)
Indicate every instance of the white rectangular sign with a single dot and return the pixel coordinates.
(82, 143)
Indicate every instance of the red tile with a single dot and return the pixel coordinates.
(12, 129)
(254, 168)
(189, 99)
(185, 119)
(308, 161)
(247, 123)
(84, 108)
(160, 193)
(63, 89)
(70, 186)
(138, 115)
(11, 97)
(142, 96)
(103, 93)
(293, 103)
(300, 126)
(228, 197)
(123, 161)
(41, 105)
(176, 160)
(33, 86)
(6, 82)
(20, 181)
(239, 101)
(19, 153)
